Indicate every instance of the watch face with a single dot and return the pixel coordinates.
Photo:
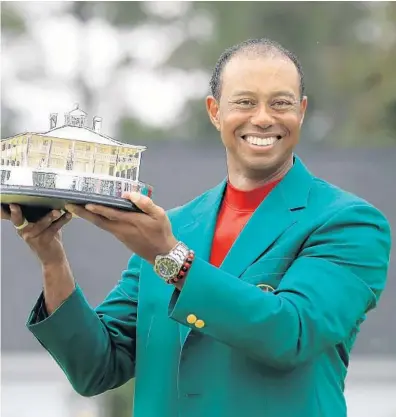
(167, 268)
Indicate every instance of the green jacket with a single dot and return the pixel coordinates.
(224, 346)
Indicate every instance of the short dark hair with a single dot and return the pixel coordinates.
(262, 46)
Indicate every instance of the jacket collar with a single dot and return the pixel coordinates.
(278, 211)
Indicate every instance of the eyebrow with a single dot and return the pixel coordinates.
(276, 93)
(285, 93)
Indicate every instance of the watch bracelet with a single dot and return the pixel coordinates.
(180, 251)
(184, 268)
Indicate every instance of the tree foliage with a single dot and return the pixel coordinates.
(348, 52)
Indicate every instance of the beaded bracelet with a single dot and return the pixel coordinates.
(184, 269)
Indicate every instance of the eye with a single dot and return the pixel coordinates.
(282, 104)
(245, 102)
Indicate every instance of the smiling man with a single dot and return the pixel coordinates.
(258, 105)
(245, 301)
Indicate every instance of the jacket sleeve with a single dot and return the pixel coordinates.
(337, 278)
(95, 348)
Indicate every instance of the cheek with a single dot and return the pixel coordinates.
(231, 121)
(292, 122)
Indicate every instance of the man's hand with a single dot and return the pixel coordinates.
(147, 234)
(44, 236)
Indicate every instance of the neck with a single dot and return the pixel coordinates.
(247, 181)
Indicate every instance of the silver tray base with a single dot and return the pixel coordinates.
(38, 191)
(36, 203)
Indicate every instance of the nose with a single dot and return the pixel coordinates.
(262, 117)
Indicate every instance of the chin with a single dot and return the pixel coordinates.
(266, 163)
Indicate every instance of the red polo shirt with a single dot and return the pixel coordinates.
(235, 211)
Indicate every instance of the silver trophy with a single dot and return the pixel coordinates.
(71, 163)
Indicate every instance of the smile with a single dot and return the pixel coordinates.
(255, 140)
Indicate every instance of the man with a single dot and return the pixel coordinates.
(255, 312)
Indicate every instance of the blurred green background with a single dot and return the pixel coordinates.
(348, 50)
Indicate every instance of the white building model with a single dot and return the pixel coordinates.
(73, 146)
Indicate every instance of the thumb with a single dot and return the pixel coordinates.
(143, 202)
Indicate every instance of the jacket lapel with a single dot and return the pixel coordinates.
(198, 234)
(277, 213)
(268, 222)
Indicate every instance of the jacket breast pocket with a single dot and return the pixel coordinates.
(267, 273)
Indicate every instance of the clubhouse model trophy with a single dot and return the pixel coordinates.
(70, 163)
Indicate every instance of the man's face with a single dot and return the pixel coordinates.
(260, 112)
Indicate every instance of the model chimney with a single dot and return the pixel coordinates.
(53, 120)
(97, 124)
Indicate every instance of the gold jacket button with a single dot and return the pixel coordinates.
(199, 324)
(191, 318)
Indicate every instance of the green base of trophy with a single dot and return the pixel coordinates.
(35, 203)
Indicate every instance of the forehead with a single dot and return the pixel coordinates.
(249, 72)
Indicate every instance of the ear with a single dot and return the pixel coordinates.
(303, 108)
(212, 107)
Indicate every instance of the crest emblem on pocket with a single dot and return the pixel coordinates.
(265, 287)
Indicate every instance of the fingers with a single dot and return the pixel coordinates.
(141, 201)
(5, 215)
(57, 225)
(95, 219)
(16, 216)
(108, 212)
(34, 229)
(54, 220)
(146, 204)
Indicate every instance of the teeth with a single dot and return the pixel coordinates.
(254, 140)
